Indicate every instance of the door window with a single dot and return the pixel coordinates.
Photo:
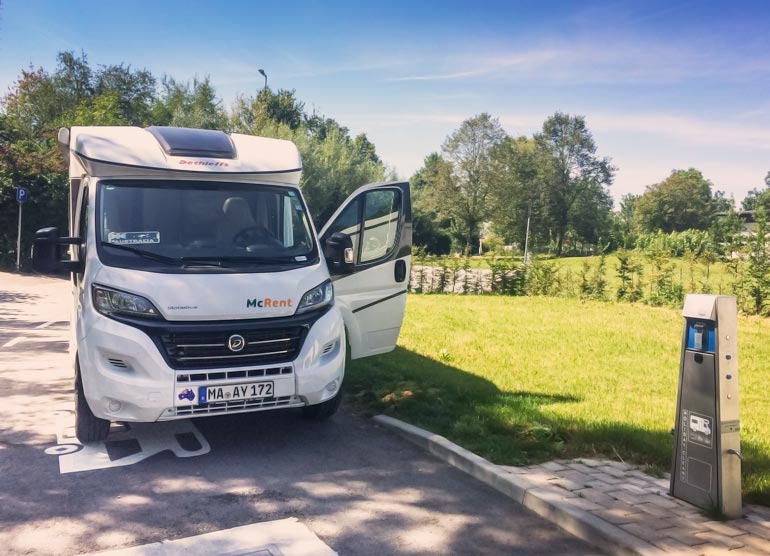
(379, 210)
(381, 213)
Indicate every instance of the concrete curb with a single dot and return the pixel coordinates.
(542, 501)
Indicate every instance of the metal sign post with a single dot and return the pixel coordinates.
(22, 194)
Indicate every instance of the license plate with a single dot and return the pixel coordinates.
(234, 392)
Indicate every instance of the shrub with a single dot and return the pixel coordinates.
(543, 279)
(630, 275)
(507, 277)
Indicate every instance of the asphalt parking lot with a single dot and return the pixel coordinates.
(359, 489)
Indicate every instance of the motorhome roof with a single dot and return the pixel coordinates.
(122, 151)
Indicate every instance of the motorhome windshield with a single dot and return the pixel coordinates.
(175, 226)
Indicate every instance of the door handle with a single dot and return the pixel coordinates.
(399, 270)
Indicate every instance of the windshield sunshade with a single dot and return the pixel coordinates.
(203, 224)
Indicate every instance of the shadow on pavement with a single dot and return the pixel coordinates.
(362, 490)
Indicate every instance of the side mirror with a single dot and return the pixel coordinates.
(46, 256)
(338, 250)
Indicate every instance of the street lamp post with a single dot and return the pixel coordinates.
(526, 239)
(262, 72)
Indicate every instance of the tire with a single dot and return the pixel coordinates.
(323, 410)
(88, 427)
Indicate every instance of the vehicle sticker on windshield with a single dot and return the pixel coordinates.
(133, 238)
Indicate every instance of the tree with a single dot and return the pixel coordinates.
(517, 191)
(253, 114)
(682, 201)
(590, 217)
(103, 109)
(758, 197)
(464, 199)
(135, 90)
(754, 287)
(624, 233)
(32, 105)
(726, 229)
(185, 105)
(428, 229)
(74, 79)
(365, 148)
(573, 169)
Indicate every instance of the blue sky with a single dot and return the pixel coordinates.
(662, 84)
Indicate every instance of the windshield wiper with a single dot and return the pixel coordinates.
(142, 253)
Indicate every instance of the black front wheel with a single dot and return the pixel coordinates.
(323, 410)
(88, 427)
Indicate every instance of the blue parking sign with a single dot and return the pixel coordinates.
(22, 194)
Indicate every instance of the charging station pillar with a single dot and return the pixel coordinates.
(706, 468)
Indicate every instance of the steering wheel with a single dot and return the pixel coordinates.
(252, 234)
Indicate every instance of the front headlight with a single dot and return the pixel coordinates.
(318, 297)
(114, 302)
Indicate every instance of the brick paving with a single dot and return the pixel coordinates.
(639, 504)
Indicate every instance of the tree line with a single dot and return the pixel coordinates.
(77, 93)
(486, 185)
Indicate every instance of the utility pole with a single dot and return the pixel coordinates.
(526, 238)
(262, 72)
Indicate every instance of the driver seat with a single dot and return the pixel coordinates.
(237, 216)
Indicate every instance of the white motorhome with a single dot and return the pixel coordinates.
(200, 285)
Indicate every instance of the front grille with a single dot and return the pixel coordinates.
(228, 375)
(190, 350)
(239, 405)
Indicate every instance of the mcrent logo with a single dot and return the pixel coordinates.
(202, 163)
(268, 303)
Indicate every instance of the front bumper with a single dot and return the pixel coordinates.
(126, 377)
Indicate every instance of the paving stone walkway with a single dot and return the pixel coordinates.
(623, 496)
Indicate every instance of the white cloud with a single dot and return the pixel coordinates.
(693, 130)
(598, 61)
(682, 128)
(439, 76)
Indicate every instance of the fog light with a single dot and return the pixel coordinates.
(332, 386)
(114, 406)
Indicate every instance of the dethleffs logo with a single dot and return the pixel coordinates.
(202, 163)
(268, 302)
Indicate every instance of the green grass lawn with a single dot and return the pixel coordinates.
(527, 379)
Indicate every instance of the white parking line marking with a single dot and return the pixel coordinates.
(45, 324)
(125, 446)
(16, 340)
(284, 537)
